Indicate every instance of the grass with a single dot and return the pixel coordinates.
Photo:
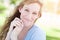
(52, 38)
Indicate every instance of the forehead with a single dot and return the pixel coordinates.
(33, 6)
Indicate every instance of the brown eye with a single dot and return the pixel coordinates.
(34, 13)
(27, 10)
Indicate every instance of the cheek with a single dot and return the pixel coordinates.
(34, 18)
(22, 14)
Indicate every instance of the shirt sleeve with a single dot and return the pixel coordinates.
(38, 35)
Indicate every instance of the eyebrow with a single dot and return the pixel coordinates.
(26, 10)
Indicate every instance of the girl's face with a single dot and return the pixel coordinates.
(29, 13)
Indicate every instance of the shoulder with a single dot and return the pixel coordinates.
(36, 29)
(35, 33)
(38, 33)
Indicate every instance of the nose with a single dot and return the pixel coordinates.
(29, 16)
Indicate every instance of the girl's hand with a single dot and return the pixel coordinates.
(16, 23)
(16, 27)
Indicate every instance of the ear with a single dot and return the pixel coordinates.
(19, 9)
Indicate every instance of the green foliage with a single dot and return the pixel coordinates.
(13, 1)
(1, 0)
(52, 38)
(2, 7)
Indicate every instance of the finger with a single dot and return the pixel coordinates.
(19, 24)
(16, 23)
(17, 19)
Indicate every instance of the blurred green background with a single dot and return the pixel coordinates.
(52, 32)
